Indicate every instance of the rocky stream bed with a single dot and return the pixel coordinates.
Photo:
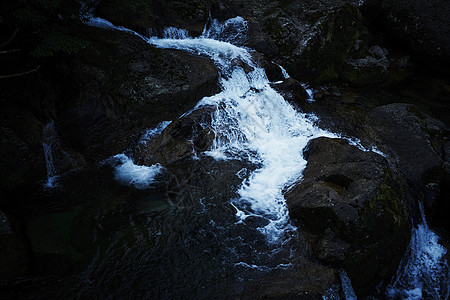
(232, 149)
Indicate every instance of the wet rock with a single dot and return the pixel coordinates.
(355, 209)
(259, 40)
(370, 69)
(401, 131)
(292, 90)
(367, 70)
(326, 44)
(327, 90)
(273, 71)
(415, 144)
(329, 46)
(122, 84)
(309, 280)
(184, 138)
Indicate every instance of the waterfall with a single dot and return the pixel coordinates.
(49, 133)
(252, 122)
(424, 272)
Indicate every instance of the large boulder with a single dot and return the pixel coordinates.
(185, 137)
(121, 84)
(354, 207)
(417, 145)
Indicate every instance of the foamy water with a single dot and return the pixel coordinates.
(253, 122)
(424, 272)
(128, 173)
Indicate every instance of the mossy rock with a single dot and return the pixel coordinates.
(355, 209)
(326, 52)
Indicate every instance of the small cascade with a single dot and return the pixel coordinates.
(50, 136)
(175, 33)
(252, 122)
(309, 91)
(233, 31)
(424, 272)
(347, 288)
(152, 132)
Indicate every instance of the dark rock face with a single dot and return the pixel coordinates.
(355, 209)
(404, 133)
(423, 26)
(326, 52)
(416, 144)
(123, 85)
(318, 42)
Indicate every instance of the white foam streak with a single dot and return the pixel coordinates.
(105, 24)
(128, 173)
(51, 170)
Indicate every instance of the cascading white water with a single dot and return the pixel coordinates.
(424, 272)
(253, 122)
(49, 133)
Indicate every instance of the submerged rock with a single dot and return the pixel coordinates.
(355, 209)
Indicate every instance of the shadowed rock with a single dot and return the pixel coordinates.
(354, 207)
(122, 84)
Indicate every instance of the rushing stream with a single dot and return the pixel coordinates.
(257, 126)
